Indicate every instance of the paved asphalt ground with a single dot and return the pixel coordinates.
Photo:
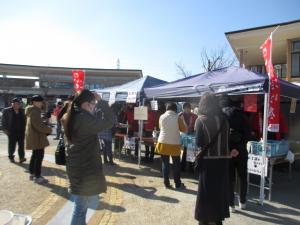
(135, 195)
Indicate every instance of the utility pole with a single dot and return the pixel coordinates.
(118, 64)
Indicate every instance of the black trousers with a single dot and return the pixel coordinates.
(35, 165)
(207, 223)
(58, 129)
(12, 141)
(239, 165)
(184, 163)
(149, 146)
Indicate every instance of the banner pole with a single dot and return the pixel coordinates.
(265, 137)
(265, 127)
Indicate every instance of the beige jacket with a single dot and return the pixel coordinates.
(36, 131)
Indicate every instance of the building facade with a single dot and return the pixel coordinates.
(285, 52)
(55, 82)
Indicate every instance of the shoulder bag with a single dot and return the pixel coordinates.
(60, 153)
(199, 158)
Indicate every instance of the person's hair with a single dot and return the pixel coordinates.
(84, 96)
(186, 105)
(209, 104)
(171, 106)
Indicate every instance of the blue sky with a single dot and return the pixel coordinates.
(148, 35)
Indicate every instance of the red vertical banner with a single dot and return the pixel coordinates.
(250, 103)
(78, 78)
(274, 87)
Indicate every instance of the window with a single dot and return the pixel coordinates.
(61, 85)
(280, 70)
(296, 59)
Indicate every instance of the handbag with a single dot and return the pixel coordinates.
(60, 153)
(200, 156)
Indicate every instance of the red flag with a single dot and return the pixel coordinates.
(274, 90)
(78, 78)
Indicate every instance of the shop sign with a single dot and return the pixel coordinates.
(255, 164)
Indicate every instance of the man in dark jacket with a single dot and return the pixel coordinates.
(238, 137)
(13, 125)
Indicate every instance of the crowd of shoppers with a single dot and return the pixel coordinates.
(220, 130)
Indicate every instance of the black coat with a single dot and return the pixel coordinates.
(8, 122)
(239, 130)
(83, 159)
(213, 190)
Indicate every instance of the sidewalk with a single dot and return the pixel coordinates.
(23, 196)
(135, 196)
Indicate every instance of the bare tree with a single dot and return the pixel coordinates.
(216, 59)
(210, 60)
(181, 70)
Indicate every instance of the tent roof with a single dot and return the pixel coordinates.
(226, 80)
(132, 86)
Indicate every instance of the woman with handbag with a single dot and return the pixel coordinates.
(83, 160)
(212, 131)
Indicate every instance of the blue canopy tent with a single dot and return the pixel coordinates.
(231, 80)
(121, 91)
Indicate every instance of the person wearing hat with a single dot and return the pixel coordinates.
(36, 138)
(13, 125)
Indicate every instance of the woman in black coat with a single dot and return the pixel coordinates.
(213, 190)
(83, 160)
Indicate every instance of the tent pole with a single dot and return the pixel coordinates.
(141, 124)
(265, 137)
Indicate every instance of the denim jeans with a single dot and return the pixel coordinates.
(176, 169)
(81, 204)
(107, 150)
(58, 129)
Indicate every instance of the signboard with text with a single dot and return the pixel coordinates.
(255, 164)
(141, 113)
(131, 97)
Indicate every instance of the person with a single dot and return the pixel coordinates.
(105, 137)
(64, 109)
(13, 125)
(120, 110)
(170, 125)
(189, 119)
(132, 126)
(238, 138)
(36, 138)
(83, 159)
(212, 130)
(149, 127)
(56, 112)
